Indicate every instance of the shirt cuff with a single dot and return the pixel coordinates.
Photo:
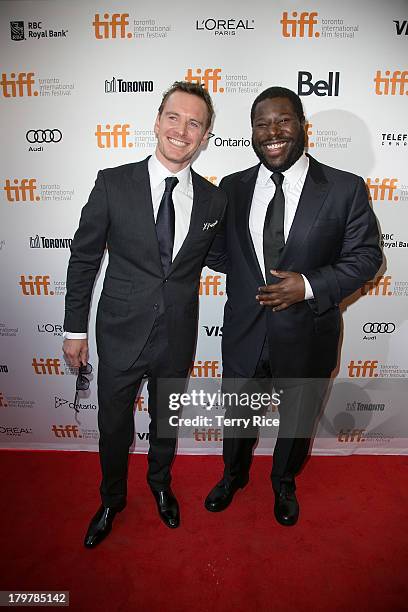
(308, 289)
(74, 335)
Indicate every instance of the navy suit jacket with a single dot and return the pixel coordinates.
(333, 241)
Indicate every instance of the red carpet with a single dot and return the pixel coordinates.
(348, 551)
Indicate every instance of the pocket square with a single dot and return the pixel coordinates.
(208, 225)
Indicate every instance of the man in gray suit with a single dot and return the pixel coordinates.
(158, 219)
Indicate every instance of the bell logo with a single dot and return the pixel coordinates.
(320, 88)
(301, 27)
(382, 83)
(210, 76)
(205, 369)
(378, 286)
(47, 366)
(3, 403)
(109, 28)
(35, 285)
(21, 191)
(66, 431)
(209, 285)
(207, 435)
(18, 86)
(363, 370)
(309, 144)
(351, 435)
(113, 137)
(384, 190)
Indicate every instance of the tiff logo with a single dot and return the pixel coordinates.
(18, 87)
(139, 404)
(210, 76)
(309, 144)
(37, 285)
(113, 137)
(109, 28)
(401, 27)
(48, 366)
(209, 285)
(301, 27)
(384, 190)
(382, 83)
(378, 286)
(66, 431)
(351, 435)
(207, 435)
(23, 191)
(3, 403)
(205, 369)
(362, 370)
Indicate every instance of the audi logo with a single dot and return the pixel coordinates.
(378, 328)
(43, 136)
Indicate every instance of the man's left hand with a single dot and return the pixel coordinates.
(288, 291)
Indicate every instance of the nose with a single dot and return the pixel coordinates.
(182, 127)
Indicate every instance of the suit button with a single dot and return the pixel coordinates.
(155, 306)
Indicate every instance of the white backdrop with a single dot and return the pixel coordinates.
(80, 87)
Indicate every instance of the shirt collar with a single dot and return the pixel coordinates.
(292, 176)
(158, 172)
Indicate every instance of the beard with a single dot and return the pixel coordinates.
(294, 154)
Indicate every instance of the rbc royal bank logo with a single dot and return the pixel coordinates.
(111, 26)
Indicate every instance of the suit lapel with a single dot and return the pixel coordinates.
(141, 186)
(313, 195)
(242, 212)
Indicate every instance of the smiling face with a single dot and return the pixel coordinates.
(180, 130)
(278, 135)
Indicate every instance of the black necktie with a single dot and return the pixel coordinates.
(165, 224)
(273, 233)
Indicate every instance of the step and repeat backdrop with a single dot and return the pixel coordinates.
(81, 82)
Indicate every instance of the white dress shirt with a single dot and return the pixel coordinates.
(292, 186)
(183, 205)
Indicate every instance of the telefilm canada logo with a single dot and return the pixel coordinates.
(224, 27)
(396, 140)
(35, 30)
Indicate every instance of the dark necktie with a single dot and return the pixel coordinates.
(273, 233)
(165, 224)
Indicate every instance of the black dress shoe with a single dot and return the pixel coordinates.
(101, 525)
(286, 506)
(168, 508)
(222, 494)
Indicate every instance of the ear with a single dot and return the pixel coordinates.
(156, 124)
(205, 136)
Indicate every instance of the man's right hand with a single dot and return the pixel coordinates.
(76, 352)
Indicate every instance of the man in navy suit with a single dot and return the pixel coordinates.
(299, 237)
(158, 219)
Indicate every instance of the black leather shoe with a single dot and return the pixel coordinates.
(286, 506)
(101, 525)
(223, 493)
(168, 508)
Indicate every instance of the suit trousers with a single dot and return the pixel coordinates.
(300, 405)
(117, 392)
